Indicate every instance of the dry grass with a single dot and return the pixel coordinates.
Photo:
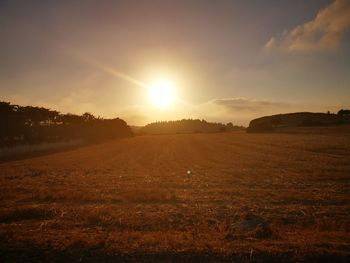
(249, 197)
(8, 153)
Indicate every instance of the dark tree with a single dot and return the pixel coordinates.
(188, 126)
(28, 124)
(344, 112)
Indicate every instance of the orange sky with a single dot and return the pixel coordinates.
(227, 60)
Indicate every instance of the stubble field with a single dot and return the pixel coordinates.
(190, 197)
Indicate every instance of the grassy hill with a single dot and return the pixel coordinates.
(283, 122)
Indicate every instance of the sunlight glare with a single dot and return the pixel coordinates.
(161, 94)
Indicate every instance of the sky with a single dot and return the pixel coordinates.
(228, 61)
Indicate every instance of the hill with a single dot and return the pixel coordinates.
(283, 122)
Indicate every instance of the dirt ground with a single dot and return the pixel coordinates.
(191, 197)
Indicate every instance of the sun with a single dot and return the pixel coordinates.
(161, 93)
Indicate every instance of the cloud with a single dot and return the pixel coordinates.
(247, 105)
(241, 110)
(325, 32)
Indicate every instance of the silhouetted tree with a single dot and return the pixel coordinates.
(88, 117)
(30, 124)
(344, 112)
(188, 126)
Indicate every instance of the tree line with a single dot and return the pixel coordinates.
(188, 126)
(343, 112)
(31, 125)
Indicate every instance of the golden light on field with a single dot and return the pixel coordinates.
(162, 94)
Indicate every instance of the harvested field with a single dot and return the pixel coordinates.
(191, 197)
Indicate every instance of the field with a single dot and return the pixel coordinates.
(190, 197)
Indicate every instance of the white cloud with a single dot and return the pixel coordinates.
(324, 32)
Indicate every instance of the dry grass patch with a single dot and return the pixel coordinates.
(249, 197)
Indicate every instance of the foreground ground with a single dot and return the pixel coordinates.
(199, 197)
